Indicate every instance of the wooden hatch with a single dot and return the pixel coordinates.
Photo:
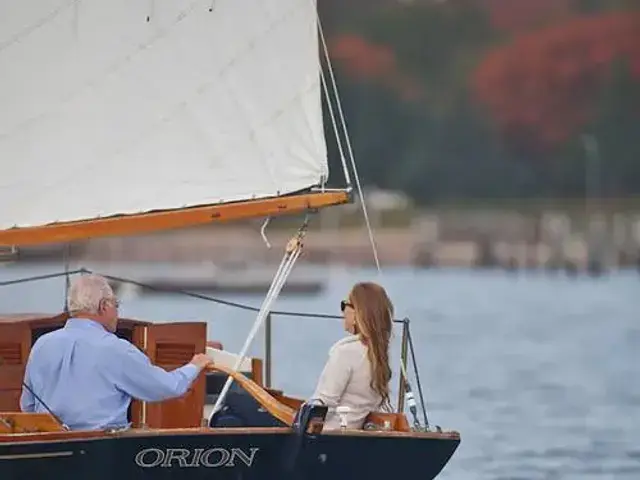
(15, 345)
(17, 334)
(171, 345)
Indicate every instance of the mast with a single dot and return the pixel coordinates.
(120, 118)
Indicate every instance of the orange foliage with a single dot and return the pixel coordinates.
(514, 15)
(363, 60)
(542, 88)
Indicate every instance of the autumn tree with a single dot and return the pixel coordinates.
(441, 97)
(542, 88)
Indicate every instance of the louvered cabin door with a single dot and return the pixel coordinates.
(171, 345)
(15, 345)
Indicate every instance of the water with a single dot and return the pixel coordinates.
(540, 374)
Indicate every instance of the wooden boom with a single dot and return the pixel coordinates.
(170, 219)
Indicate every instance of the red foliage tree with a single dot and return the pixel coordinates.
(366, 61)
(515, 15)
(542, 88)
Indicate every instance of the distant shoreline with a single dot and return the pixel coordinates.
(350, 247)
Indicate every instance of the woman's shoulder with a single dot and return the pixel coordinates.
(347, 345)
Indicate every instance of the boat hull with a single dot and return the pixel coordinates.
(227, 455)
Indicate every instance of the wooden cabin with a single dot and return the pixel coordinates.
(168, 345)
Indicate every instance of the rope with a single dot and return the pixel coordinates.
(293, 250)
(49, 276)
(199, 296)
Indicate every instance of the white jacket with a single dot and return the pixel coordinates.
(345, 381)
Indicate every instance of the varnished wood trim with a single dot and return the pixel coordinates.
(398, 421)
(282, 412)
(292, 402)
(387, 433)
(169, 219)
(274, 392)
(24, 422)
(256, 371)
(205, 431)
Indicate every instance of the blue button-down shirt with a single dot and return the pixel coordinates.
(87, 377)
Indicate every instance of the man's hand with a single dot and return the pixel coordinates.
(201, 360)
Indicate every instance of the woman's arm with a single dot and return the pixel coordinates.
(333, 380)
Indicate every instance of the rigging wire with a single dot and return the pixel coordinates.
(241, 306)
(347, 141)
(417, 375)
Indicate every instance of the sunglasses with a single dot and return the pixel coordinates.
(344, 305)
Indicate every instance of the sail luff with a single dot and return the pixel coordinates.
(106, 114)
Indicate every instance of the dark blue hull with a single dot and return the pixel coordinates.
(224, 454)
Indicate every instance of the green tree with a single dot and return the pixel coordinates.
(617, 130)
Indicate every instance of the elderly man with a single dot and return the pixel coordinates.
(86, 375)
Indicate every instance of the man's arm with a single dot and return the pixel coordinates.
(134, 374)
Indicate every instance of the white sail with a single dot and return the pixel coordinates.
(104, 113)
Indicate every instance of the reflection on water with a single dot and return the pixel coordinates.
(539, 374)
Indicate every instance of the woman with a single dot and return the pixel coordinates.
(357, 373)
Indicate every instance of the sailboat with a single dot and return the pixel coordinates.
(127, 117)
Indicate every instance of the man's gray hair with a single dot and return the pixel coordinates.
(86, 293)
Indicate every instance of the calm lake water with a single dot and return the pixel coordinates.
(540, 374)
